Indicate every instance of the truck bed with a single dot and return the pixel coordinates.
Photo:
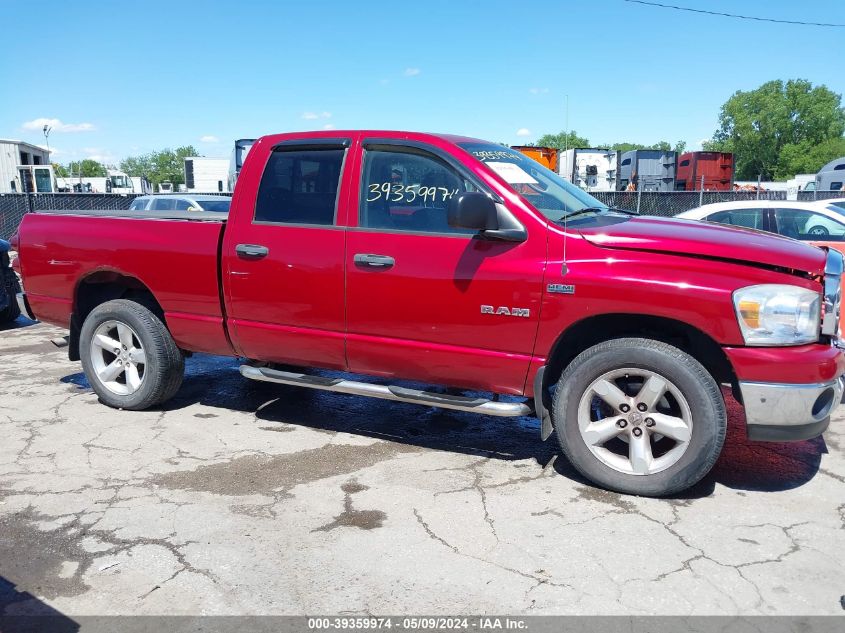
(159, 249)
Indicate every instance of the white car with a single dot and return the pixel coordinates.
(817, 221)
(181, 202)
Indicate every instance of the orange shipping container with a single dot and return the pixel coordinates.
(546, 156)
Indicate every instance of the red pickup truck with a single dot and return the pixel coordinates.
(455, 262)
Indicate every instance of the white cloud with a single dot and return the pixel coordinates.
(53, 150)
(328, 126)
(209, 138)
(58, 126)
(523, 131)
(100, 155)
(538, 91)
(311, 116)
(412, 72)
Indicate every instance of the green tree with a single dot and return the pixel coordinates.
(663, 146)
(90, 169)
(563, 140)
(626, 147)
(808, 158)
(163, 165)
(759, 124)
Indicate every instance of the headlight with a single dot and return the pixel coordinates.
(777, 314)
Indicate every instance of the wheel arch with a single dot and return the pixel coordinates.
(101, 286)
(599, 328)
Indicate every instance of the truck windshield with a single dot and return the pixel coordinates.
(550, 194)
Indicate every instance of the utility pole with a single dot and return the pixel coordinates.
(46, 131)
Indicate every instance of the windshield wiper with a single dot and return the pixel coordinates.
(578, 212)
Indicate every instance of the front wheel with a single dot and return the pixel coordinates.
(639, 416)
(129, 357)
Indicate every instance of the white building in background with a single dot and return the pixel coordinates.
(592, 169)
(25, 167)
(206, 175)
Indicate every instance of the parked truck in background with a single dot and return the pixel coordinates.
(456, 262)
(832, 176)
(590, 168)
(647, 170)
(548, 157)
(712, 171)
(236, 163)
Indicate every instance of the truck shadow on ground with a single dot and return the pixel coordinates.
(215, 382)
(21, 612)
(20, 322)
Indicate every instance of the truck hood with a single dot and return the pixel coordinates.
(707, 239)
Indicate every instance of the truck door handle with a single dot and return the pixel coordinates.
(251, 251)
(373, 261)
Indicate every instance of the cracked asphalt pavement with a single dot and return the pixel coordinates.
(250, 498)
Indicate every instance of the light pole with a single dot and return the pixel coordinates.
(46, 131)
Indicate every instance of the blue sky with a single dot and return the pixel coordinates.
(124, 78)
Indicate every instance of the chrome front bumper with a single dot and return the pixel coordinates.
(778, 412)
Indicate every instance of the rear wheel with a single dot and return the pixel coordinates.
(129, 357)
(639, 416)
(819, 230)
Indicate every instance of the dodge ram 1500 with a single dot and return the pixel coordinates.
(455, 262)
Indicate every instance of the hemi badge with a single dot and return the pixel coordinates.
(562, 289)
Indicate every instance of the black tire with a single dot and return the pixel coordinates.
(818, 230)
(692, 380)
(164, 367)
(12, 288)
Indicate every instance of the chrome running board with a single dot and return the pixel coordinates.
(389, 392)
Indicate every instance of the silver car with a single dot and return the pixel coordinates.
(181, 202)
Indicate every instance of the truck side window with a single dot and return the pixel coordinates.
(408, 191)
(300, 187)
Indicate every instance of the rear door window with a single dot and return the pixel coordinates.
(300, 186)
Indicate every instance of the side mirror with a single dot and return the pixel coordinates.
(472, 210)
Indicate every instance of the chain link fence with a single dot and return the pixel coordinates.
(669, 203)
(13, 206)
(810, 196)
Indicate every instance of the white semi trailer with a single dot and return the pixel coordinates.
(591, 168)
